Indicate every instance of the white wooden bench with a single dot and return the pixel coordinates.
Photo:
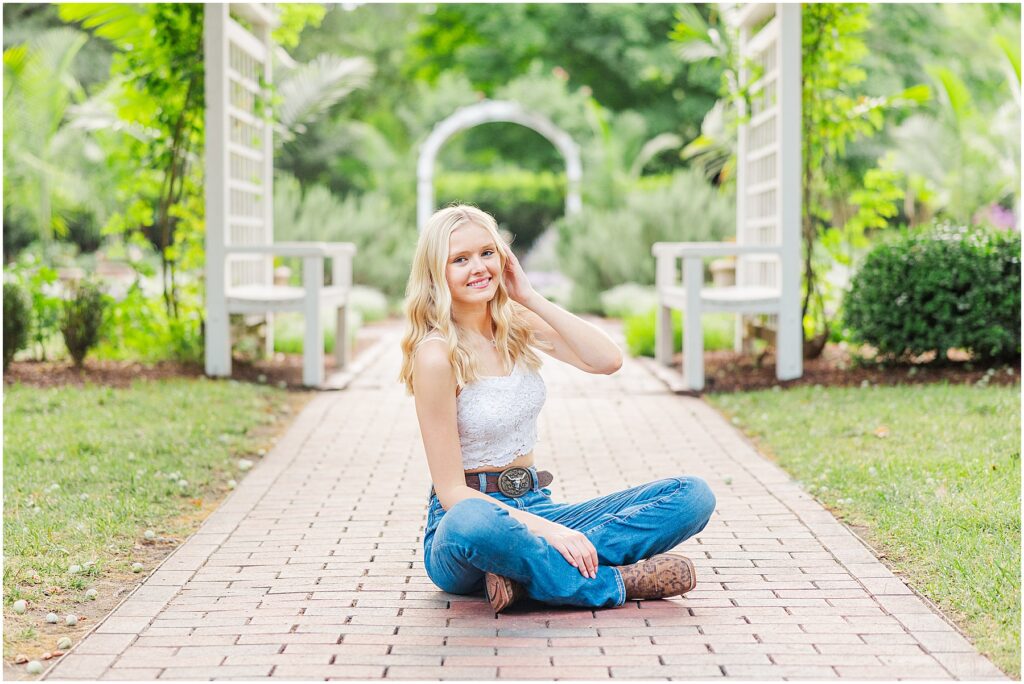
(768, 215)
(694, 299)
(310, 299)
(239, 205)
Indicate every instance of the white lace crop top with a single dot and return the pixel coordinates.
(497, 416)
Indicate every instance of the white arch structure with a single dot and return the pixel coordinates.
(494, 111)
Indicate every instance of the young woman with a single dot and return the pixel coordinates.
(473, 321)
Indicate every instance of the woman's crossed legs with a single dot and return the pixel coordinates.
(478, 536)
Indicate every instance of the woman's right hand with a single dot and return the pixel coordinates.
(573, 545)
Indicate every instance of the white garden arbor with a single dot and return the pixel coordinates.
(239, 203)
(768, 211)
(494, 111)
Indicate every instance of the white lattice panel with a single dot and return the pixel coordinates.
(759, 179)
(247, 210)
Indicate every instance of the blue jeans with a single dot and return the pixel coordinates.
(475, 536)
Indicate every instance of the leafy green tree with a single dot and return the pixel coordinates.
(346, 149)
(969, 159)
(160, 90)
(23, 22)
(619, 51)
(959, 151)
(834, 115)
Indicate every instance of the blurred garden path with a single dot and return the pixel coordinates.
(312, 568)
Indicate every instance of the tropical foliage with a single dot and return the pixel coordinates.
(104, 133)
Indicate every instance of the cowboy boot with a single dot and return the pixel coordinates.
(660, 576)
(501, 591)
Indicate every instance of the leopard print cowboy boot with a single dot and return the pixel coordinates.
(660, 576)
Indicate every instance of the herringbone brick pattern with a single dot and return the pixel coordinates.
(312, 568)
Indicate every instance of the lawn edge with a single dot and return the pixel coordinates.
(672, 379)
(370, 355)
(769, 456)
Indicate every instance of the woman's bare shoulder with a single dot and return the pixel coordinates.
(432, 368)
(432, 354)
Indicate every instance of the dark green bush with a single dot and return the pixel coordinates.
(82, 319)
(17, 320)
(39, 283)
(946, 287)
(522, 202)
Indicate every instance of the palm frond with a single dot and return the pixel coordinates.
(124, 25)
(954, 93)
(1011, 64)
(57, 47)
(310, 90)
(99, 113)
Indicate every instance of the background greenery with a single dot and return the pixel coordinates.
(103, 134)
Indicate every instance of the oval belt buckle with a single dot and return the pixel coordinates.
(515, 482)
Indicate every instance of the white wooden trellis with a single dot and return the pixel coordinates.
(239, 202)
(768, 212)
(494, 111)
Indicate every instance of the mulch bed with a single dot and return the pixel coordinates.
(283, 368)
(727, 371)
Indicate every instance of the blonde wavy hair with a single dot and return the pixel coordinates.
(428, 302)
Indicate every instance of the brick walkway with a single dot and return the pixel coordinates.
(311, 569)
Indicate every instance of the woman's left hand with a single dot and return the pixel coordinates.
(516, 282)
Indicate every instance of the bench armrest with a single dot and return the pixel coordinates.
(296, 249)
(709, 249)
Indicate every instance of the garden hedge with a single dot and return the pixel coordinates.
(941, 288)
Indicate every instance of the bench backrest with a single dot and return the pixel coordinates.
(769, 157)
(239, 140)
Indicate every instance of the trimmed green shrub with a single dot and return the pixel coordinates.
(946, 287)
(601, 249)
(523, 202)
(639, 331)
(17, 320)
(82, 319)
(40, 284)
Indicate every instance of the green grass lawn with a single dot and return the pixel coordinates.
(932, 472)
(88, 470)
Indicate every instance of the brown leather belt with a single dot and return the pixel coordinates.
(512, 482)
